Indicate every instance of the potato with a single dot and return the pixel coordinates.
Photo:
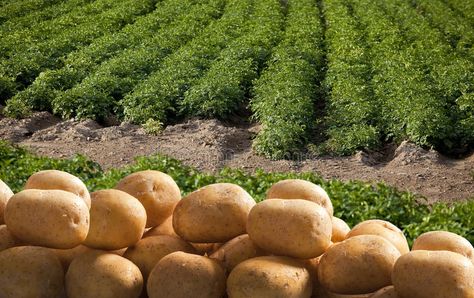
(102, 274)
(236, 251)
(183, 275)
(148, 251)
(340, 229)
(205, 248)
(214, 213)
(5, 194)
(117, 220)
(359, 265)
(269, 276)
(387, 292)
(156, 191)
(442, 240)
(300, 189)
(50, 218)
(165, 228)
(294, 228)
(65, 256)
(312, 267)
(7, 240)
(384, 229)
(428, 274)
(54, 179)
(29, 271)
(326, 294)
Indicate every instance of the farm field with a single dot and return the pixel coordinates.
(323, 77)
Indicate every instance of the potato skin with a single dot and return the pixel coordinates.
(269, 276)
(294, 228)
(103, 274)
(117, 220)
(387, 292)
(384, 229)
(165, 228)
(54, 179)
(7, 240)
(359, 265)
(340, 229)
(183, 275)
(443, 240)
(427, 274)
(30, 271)
(214, 213)
(236, 251)
(300, 189)
(65, 256)
(5, 194)
(49, 218)
(147, 252)
(157, 191)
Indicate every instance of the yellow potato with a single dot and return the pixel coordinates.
(340, 229)
(442, 240)
(294, 228)
(205, 248)
(30, 271)
(300, 189)
(236, 251)
(5, 194)
(157, 192)
(383, 229)
(117, 220)
(50, 218)
(326, 294)
(387, 292)
(148, 251)
(312, 267)
(65, 256)
(7, 240)
(214, 213)
(359, 265)
(101, 274)
(54, 179)
(271, 277)
(183, 275)
(165, 228)
(428, 274)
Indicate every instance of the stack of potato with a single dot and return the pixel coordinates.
(142, 240)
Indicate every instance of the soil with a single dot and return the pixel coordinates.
(210, 145)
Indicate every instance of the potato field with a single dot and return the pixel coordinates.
(329, 76)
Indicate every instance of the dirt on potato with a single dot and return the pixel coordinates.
(210, 145)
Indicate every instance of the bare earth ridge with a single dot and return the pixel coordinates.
(210, 145)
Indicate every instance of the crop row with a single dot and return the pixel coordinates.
(24, 66)
(79, 64)
(463, 7)
(225, 86)
(352, 110)
(14, 9)
(36, 17)
(286, 92)
(456, 28)
(159, 95)
(99, 93)
(450, 74)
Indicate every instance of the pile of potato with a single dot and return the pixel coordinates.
(142, 239)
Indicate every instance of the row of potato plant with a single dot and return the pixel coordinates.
(286, 93)
(79, 64)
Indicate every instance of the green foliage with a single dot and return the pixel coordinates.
(100, 92)
(286, 92)
(160, 94)
(353, 201)
(223, 89)
(153, 127)
(79, 64)
(352, 111)
(20, 8)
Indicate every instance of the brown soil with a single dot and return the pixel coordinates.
(211, 145)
